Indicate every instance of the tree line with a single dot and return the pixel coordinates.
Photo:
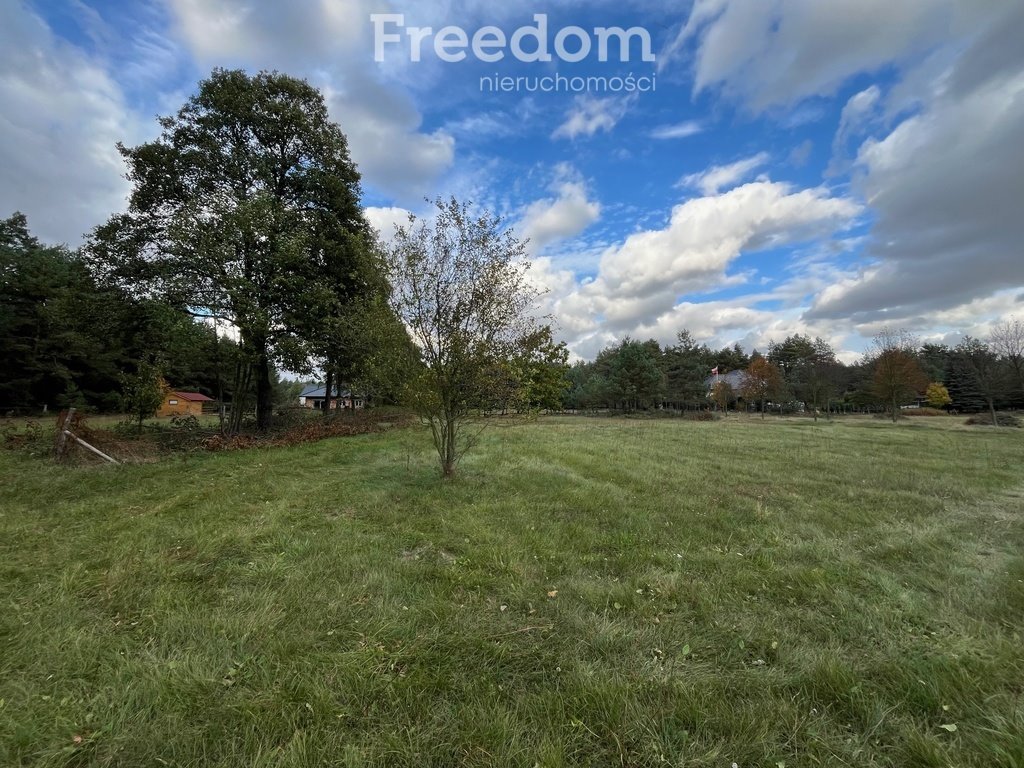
(66, 339)
(804, 373)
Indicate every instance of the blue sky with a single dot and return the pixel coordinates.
(817, 166)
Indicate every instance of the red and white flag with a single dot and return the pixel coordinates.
(714, 371)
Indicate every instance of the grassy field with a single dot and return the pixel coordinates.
(588, 592)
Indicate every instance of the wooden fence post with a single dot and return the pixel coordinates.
(61, 446)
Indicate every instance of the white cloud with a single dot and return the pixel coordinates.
(801, 153)
(62, 117)
(719, 177)
(483, 126)
(706, 234)
(855, 116)
(291, 36)
(556, 218)
(382, 126)
(769, 53)
(589, 115)
(640, 280)
(386, 220)
(858, 108)
(678, 131)
(942, 173)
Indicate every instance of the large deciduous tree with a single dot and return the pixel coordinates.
(245, 200)
(896, 372)
(460, 285)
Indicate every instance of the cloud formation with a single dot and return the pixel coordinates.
(589, 115)
(321, 42)
(681, 130)
(770, 53)
(719, 177)
(640, 280)
(920, 101)
(945, 186)
(62, 117)
(552, 219)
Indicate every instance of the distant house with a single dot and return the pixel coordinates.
(316, 398)
(183, 403)
(735, 379)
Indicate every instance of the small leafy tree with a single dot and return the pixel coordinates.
(545, 372)
(460, 286)
(143, 391)
(763, 382)
(722, 394)
(937, 396)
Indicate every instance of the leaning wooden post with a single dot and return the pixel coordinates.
(64, 434)
(95, 450)
(60, 448)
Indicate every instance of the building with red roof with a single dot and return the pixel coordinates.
(177, 403)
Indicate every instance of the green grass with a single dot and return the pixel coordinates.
(588, 592)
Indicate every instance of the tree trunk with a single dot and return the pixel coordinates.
(448, 457)
(351, 395)
(264, 392)
(762, 410)
(327, 391)
(894, 410)
(992, 410)
(220, 376)
(239, 402)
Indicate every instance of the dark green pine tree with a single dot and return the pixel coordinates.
(58, 331)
